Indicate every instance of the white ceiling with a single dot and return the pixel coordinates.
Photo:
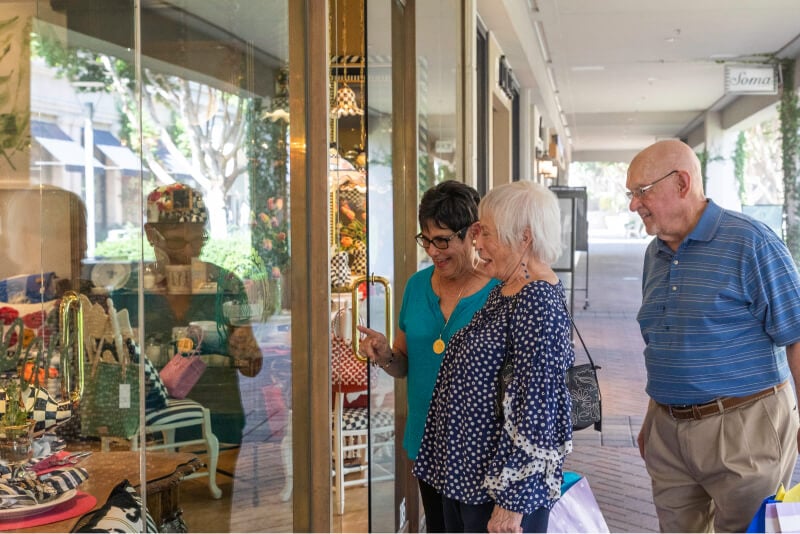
(626, 72)
(629, 72)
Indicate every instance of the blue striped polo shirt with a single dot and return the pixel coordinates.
(717, 313)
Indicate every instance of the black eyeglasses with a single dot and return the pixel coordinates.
(640, 191)
(439, 242)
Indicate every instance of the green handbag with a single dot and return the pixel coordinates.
(100, 410)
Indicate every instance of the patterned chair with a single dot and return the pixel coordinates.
(351, 443)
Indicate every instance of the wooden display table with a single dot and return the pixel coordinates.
(164, 470)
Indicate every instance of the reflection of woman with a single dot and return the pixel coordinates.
(437, 302)
(498, 462)
(176, 227)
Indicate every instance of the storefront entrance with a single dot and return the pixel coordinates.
(169, 197)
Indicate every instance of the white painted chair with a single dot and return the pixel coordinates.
(351, 429)
(181, 413)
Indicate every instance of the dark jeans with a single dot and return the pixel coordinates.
(460, 517)
(432, 503)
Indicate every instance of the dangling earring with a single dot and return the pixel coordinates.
(474, 242)
(525, 270)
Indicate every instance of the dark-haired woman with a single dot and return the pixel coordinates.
(437, 301)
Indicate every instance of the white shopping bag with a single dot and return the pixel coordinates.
(782, 517)
(577, 511)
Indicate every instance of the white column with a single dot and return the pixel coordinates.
(88, 154)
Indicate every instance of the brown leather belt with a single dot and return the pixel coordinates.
(720, 405)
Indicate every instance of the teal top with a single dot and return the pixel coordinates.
(421, 319)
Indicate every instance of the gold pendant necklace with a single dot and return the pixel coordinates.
(439, 345)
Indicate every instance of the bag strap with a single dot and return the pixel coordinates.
(508, 329)
(585, 348)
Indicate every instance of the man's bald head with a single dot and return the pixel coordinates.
(664, 156)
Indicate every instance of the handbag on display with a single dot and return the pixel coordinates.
(358, 259)
(185, 368)
(340, 269)
(110, 380)
(46, 411)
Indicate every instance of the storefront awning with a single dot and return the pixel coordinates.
(118, 156)
(61, 147)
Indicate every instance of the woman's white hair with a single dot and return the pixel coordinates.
(517, 206)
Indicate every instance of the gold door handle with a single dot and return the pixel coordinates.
(372, 279)
(69, 302)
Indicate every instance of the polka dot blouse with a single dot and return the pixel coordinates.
(470, 452)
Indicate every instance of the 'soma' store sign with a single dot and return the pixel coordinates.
(761, 80)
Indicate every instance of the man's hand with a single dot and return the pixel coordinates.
(503, 520)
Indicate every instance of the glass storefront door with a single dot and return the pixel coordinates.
(145, 183)
(363, 485)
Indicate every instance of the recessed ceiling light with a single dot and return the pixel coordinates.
(580, 68)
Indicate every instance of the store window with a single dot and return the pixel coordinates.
(145, 195)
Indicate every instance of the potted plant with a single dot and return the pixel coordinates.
(16, 430)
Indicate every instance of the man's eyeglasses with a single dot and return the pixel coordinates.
(640, 191)
(439, 242)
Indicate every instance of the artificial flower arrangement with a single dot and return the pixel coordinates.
(271, 228)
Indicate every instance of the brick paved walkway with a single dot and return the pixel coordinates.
(610, 460)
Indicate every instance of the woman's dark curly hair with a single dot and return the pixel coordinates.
(450, 204)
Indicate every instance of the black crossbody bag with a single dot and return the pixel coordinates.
(582, 383)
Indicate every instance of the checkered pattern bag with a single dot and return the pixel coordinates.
(340, 269)
(358, 259)
(355, 198)
(348, 372)
(44, 409)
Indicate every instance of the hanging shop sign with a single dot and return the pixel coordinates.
(751, 80)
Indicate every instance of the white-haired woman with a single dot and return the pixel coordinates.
(498, 460)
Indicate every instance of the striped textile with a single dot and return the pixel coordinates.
(178, 411)
(717, 312)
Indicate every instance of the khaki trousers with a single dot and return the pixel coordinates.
(712, 474)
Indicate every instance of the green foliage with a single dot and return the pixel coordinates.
(74, 64)
(15, 409)
(703, 157)
(425, 170)
(269, 190)
(223, 252)
(128, 248)
(228, 252)
(739, 158)
(790, 120)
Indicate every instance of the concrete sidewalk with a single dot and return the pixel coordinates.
(605, 314)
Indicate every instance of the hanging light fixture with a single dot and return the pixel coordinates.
(346, 104)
